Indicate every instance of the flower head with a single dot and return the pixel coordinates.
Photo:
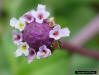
(38, 35)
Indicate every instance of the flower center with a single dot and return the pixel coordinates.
(40, 16)
(16, 37)
(32, 53)
(56, 33)
(23, 47)
(20, 25)
(28, 17)
(44, 51)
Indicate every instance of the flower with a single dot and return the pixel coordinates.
(22, 49)
(31, 55)
(40, 14)
(43, 52)
(17, 37)
(21, 24)
(57, 32)
(37, 35)
(28, 17)
(18, 24)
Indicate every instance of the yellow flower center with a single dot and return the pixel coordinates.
(23, 47)
(20, 25)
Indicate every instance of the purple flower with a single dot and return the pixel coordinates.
(37, 34)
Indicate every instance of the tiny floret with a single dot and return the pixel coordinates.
(56, 33)
(35, 35)
(40, 14)
(18, 24)
(28, 17)
(21, 24)
(43, 52)
(22, 49)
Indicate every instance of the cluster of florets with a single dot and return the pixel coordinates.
(36, 35)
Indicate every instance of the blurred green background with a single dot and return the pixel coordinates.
(68, 13)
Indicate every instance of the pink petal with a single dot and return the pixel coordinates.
(31, 55)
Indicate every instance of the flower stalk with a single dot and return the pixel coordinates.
(76, 49)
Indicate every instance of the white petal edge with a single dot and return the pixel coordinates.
(18, 53)
(65, 32)
(26, 53)
(13, 22)
(57, 27)
(41, 7)
(46, 15)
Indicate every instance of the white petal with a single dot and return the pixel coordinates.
(18, 53)
(41, 7)
(57, 38)
(65, 32)
(46, 15)
(22, 20)
(51, 34)
(57, 27)
(39, 55)
(34, 13)
(26, 53)
(39, 21)
(13, 22)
